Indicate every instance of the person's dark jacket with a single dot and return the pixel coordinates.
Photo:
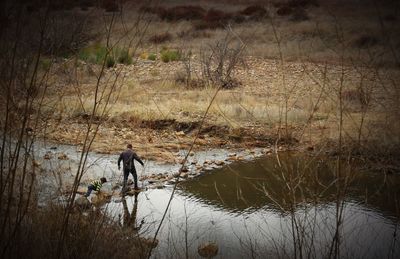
(128, 157)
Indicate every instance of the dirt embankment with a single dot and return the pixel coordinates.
(160, 140)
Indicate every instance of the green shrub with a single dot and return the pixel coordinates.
(110, 61)
(96, 54)
(93, 54)
(45, 63)
(170, 55)
(124, 57)
(100, 54)
(152, 56)
(83, 54)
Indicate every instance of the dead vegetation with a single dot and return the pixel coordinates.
(323, 87)
(160, 38)
(84, 5)
(94, 235)
(207, 19)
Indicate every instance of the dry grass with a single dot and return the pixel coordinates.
(313, 38)
(91, 235)
(165, 100)
(269, 98)
(261, 99)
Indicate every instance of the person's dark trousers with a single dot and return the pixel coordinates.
(126, 174)
(89, 190)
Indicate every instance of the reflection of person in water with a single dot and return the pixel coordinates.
(130, 218)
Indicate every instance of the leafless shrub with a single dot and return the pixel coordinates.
(87, 3)
(193, 34)
(184, 12)
(297, 3)
(203, 25)
(296, 8)
(64, 37)
(95, 235)
(284, 11)
(184, 77)
(63, 33)
(214, 19)
(62, 5)
(390, 18)
(23, 84)
(357, 95)
(57, 5)
(365, 41)
(160, 38)
(25, 43)
(158, 10)
(299, 15)
(221, 61)
(187, 77)
(254, 12)
(215, 15)
(110, 5)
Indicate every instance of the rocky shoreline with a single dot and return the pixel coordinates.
(58, 164)
(197, 165)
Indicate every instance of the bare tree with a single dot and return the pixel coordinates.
(220, 61)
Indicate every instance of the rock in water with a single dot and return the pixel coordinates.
(101, 198)
(47, 156)
(115, 186)
(82, 203)
(184, 169)
(219, 163)
(62, 156)
(184, 175)
(159, 186)
(208, 250)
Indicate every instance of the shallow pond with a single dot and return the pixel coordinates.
(267, 207)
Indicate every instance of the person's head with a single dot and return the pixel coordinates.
(129, 146)
(103, 179)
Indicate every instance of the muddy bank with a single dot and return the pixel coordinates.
(161, 140)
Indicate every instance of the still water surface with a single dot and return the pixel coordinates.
(251, 209)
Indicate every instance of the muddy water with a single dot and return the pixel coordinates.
(251, 209)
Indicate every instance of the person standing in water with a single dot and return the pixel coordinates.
(128, 157)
